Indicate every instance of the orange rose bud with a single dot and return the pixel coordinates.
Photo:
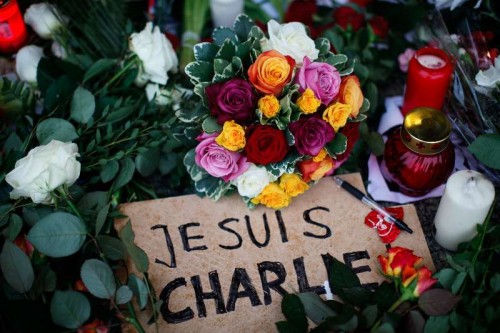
(315, 170)
(80, 286)
(271, 72)
(350, 93)
(96, 326)
(424, 281)
(398, 258)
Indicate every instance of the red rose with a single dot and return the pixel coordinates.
(265, 144)
(301, 11)
(380, 26)
(351, 131)
(346, 16)
(176, 43)
(361, 3)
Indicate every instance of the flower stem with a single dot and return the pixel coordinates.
(133, 319)
(393, 307)
(129, 64)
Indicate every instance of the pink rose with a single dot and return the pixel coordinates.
(404, 59)
(323, 79)
(217, 160)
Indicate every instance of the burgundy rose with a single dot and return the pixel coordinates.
(311, 134)
(232, 100)
(351, 131)
(380, 26)
(345, 16)
(265, 144)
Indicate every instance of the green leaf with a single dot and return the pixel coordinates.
(138, 256)
(315, 308)
(99, 67)
(446, 276)
(437, 302)
(200, 71)
(109, 171)
(205, 51)
(82, 105)
(55, 129)
(242, 26)
(357, 296)
(375, 142)
(139, 289)
(57, 235)
(385, 328)
(227, 51)
(370, 314)
(437, 324)
(147, 162)
(294, 312)
(220, 65)
(16, 268)
(92, 201)
(495, 282)
(221, 34)
(98, 278)
(59, 92)
(69, 309)
(487, 149)
(123, 295)
(210, 125)
(414, 322)
(111, 247)
(459, 281)
(323, 45)
(15, 225)
(341, 277)
(125, 175)
(338, 145)
(32, 215)
(101, 218)
(459, 322)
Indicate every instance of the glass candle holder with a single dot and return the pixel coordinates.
(418, 156)
(13, 32)
(428, 80)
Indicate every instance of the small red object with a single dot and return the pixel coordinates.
(429, 75)
(13, 32)
(387, 231)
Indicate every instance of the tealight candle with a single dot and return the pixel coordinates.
(467, 198)
(13, 32)
(429, 75)
(224, 12)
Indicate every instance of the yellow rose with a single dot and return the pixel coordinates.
(232, 136)
(308, 103)
(271, 72)
(269, 106)
(336, 115)
(272, 196)
(350, 93)
(321, 155)
(293, 184)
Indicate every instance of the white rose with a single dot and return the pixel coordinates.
(27, 60)
(490, 77)
(290, 39)
(156, 53)
(44, 169)
(58, 50)
(160, 96)
(42, 19)
(253, 181)
(451, 4)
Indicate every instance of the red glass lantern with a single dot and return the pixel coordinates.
(418, 156)
(13, 32)
(429, 75)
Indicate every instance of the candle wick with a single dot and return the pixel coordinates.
(470, 186)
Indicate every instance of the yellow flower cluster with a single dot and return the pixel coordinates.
(279, 195)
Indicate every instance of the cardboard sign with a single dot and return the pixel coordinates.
(220, 267)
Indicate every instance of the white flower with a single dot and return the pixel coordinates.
(290, 39)
(58, 50)
(44, 169)
(490, 77)
(253, 181)
(27, 60)
(451, 4)
(160, 96)
(156, 53)
(42, 19)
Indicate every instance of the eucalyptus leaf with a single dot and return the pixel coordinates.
(16, 267)
(98, 68)
(32, 215)
(109, 171)
(111, 247)
(139, 289)
(127, 169)
(315, 308)
(57, 235)
(437, 324)
(487, 150)
(69, 309)
(123, 295)
(101, 218)
(15, 226)
(82, 105)
(147, 162)
(55, 129)
(138, 256)
(98, 278)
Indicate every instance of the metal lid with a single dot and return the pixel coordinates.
(426, 131)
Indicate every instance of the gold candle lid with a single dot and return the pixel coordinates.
(426, 131)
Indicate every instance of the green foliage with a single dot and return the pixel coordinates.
(16, 97)
(487, 150)
(69, 309)
(16, 268)
(98, 278)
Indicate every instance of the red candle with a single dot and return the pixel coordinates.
(429, 75)
(13, 33)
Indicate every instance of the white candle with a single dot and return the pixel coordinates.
(430, 61)
(467, 198)
(224, 12)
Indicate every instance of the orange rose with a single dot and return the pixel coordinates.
(350, 93)
(270, 72)
(315, 170)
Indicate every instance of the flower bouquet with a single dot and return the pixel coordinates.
(277, 114)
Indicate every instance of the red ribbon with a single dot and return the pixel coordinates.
(387, 231)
